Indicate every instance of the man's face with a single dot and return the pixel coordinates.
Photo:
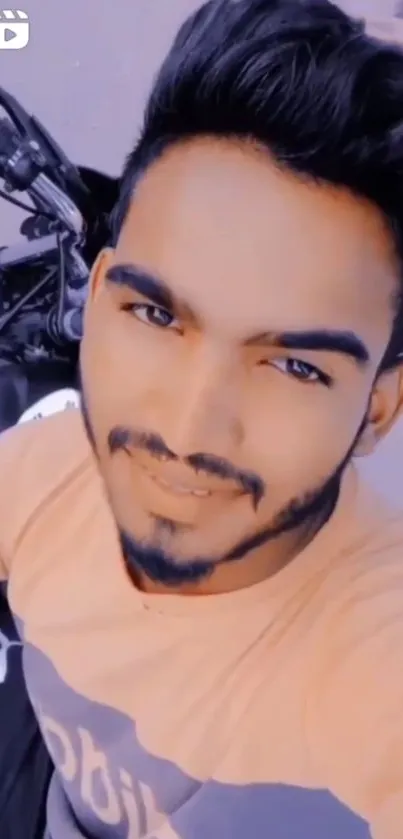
(231, 345)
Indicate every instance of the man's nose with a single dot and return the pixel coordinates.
(204, 409)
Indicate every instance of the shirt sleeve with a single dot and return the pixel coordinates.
(355, 712)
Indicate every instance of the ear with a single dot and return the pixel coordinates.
(385, 407)
(98, 271)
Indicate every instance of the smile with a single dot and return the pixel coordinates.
(179, 489)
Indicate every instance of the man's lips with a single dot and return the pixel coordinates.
(181, 486)
(179, 489)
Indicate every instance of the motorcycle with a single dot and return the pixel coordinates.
(43, 287)
(44, 279)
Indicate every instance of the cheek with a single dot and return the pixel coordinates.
(300, 437)
(125, 364)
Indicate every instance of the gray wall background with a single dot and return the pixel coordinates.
(86, 73)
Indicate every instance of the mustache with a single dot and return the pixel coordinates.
(129, 438)
(124, 438)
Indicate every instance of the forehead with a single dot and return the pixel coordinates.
(250, 246)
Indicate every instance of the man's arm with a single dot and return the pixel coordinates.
(355, 716)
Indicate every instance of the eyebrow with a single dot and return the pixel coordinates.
(144, 283)
(342, 342)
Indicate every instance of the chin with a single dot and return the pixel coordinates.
(159, 566)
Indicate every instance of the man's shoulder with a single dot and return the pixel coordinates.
(38, 459)
(364, 583)
(377, 551)
(56, 443)
(354, 714)
(373, 578)
(363, 595)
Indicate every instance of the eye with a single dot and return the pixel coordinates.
(300, 370)
(152, 315)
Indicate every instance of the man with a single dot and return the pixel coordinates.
(210, 599)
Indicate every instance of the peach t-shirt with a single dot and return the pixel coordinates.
(276, 711)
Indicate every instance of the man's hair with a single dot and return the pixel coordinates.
(299, 77)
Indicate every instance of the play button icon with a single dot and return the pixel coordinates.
(14, 29)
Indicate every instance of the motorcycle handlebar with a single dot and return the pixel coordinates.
(74, 205)
(9, 139)
(22, 164)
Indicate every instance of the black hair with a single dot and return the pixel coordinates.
(299, 77)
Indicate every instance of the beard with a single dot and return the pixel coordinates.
(310, 511)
